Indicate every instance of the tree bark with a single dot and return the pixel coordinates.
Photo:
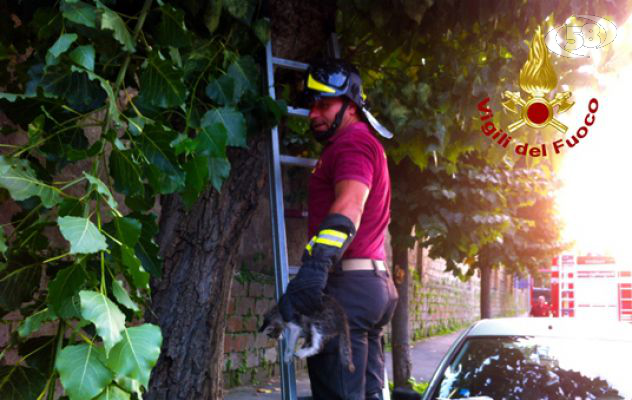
(199, 246)
(189, 302)
(399, 324)
(486, 280)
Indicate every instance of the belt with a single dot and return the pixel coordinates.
(362, 264)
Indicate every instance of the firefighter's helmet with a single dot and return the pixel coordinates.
(337, 78)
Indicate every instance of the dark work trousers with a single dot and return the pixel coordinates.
(369, 299)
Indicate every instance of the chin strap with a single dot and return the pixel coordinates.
(324, 136)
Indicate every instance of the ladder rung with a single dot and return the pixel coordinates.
(298, 161)
(298, 112)
(289, 64)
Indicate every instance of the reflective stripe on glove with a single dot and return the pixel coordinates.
(304, 292)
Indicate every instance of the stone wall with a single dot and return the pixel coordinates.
(249, 356)
(439, 302)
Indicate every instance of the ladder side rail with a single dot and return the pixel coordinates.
(289, 64)
(279, 242)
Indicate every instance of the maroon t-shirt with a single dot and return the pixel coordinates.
(355, 154)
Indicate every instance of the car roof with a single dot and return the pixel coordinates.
(553, 327)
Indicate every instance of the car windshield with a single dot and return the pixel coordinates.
(536, 368)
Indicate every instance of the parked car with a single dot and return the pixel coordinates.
(536, 359)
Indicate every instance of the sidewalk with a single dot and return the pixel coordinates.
(425, 356)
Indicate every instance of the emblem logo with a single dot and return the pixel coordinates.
(537, 110)
(538, 79)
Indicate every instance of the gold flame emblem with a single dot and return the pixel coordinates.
(537, 78)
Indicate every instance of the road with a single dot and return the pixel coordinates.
(425, 356)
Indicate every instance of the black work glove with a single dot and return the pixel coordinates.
(304, 293)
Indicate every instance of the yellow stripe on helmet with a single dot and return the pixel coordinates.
(321, 87)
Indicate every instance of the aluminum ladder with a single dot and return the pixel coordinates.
(282, 269)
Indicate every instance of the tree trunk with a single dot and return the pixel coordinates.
(199, 246)
(190, 301)
(486, 280)
(401, 339)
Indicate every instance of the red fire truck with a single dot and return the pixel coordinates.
(586, 287)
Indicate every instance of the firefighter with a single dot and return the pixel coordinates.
(349, 211)
(541, 308)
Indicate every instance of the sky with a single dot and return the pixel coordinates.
(595, 201)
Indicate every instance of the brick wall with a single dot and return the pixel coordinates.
(249, 357)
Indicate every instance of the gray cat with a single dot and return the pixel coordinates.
(315, 329)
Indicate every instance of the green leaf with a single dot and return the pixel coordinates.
(47, 22)
(105, 85)
(147, 253)
(212, 139)
(12, 97)
(128, 230)
(196, 177)
(183, 144)
(59, 47)
(164, 173)
(233, 121)
(112, 21)
(84, 56)
(161, 83)
(126, 172)
(19, 179)
(262, 30)
(103, 190)
(276, 108)
(105, 315)
(71, 308)
(82, 372)
(80, 13)
(17, 284)
(63, 287)
(218, 169)
(120, 294)
(113, 393)
(74, 85)
(33, 322)
(20, 383)
(83, 235)
(3, 242)
(245, 74)
(171, 30)
(140, 277)
(39, 351)
(212, 15)
(136, 125)
(222, 90)
(36, 129)
(137, 353)
(240, 9)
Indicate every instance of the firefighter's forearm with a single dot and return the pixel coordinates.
(351, 196)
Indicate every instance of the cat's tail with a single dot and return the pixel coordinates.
(344, 345)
